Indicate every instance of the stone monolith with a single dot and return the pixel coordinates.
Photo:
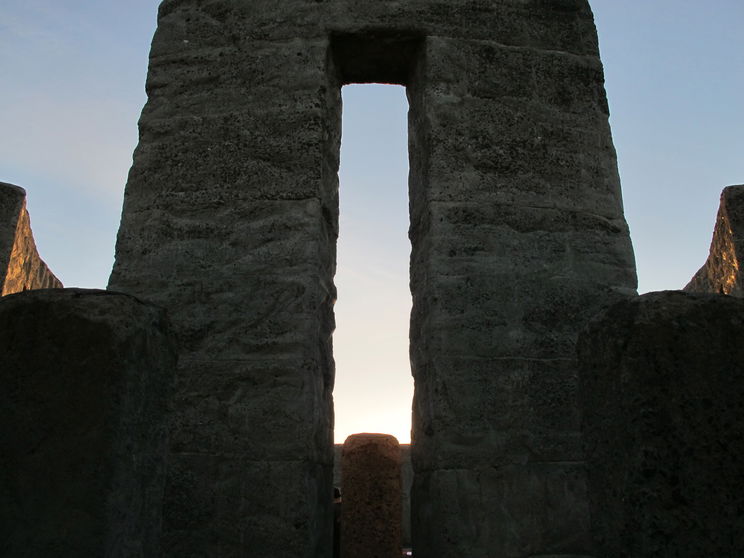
(85, 380)
(662, 391)
(230, 221)
(21, 268)
(722, 271)
(406, 471)
(371, 496)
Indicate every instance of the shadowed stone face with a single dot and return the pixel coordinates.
(662, 392)
(230, 222)
(85, 379)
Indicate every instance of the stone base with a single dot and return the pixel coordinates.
(509, 512)
(284, 508)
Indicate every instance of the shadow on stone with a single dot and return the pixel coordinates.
(84, 380)
(662, 390)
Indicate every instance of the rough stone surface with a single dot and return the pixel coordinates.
(372, 496)
(21, 268)
(84, 383)
(721, 273)
(406, 471)
(663, 400)
(230, 222)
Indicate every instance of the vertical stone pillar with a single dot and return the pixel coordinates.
(722, 273)
(85, 380)
(518, 238)
(371, 495)
(662, 392)
(230, 221)
(21, 268)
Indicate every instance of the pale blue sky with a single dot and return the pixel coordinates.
(73, 87)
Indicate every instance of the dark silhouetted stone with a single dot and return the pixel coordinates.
(663, 401)
(84, 381)
(371, 494)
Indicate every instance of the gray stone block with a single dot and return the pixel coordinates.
(259, 408)
(283, 515)
(85, 382)
(662, 392)
(371, 493)
(539, 509)
(502, 412)
(407, 482)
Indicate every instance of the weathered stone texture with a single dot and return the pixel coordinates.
(721, 272)
(406, 471)
(21, 268)
(662, 395)
(518, 238)
(371, 491)
(230, 221)
(85, 378)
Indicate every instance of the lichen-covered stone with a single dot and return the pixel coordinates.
(518, 237)
(371, 494)
(85, 380)
(722, 271)
(21, 268)
(662, 392)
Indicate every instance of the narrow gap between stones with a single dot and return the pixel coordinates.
(373, 387)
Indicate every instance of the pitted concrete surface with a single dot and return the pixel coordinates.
(518, 237)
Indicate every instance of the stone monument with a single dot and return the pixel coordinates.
(21, 268)
(371, 495)
(722, 272)
(230, 222)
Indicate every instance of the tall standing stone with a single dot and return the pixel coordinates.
(406, 472)
(371, 525)
(21, 268)
(517, 231)
(85, 379)
(722, 273)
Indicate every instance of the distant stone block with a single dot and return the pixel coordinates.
(406, 471)
(662, 389)
(21, 268)
(84, 379)
(722, 272)
(371, 494)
